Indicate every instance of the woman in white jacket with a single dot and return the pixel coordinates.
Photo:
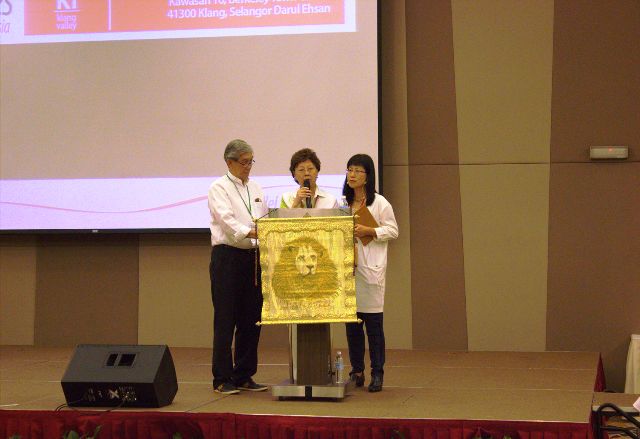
(359, 189)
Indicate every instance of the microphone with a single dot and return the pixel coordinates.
(307, 183)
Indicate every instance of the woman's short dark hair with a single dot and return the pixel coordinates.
(302, 156)
(370, 186)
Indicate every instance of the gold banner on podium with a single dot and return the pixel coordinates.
(307, 270)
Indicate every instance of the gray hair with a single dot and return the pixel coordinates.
(235, 149)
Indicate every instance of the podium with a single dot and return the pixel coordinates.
(307, 261)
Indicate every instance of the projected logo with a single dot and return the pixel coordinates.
(66, 5)
(5, 7)
(66, 17)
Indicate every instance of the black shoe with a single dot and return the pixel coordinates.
(226, 389)
(357, 378)
(376, 383)
(252, 386)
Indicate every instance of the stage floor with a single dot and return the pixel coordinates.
(507, 386)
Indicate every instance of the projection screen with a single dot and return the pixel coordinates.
(114, 114)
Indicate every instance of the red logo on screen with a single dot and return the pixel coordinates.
(66, 15)
(49, 17)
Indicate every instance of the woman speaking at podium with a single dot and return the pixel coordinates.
(304, 168)
(375, 226)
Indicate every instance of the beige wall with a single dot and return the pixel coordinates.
(504, 225)
(395, 153)
(510, 238)
(503, 54)
(175, 297)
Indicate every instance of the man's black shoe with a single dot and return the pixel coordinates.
(252, 386)
(357, 378)
(226, 389)
(376, 383)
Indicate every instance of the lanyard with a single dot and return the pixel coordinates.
(248, 207)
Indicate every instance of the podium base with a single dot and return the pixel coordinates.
(287, 390)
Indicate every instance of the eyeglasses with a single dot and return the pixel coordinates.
(355, 171)
(245, 163)
(309, 170)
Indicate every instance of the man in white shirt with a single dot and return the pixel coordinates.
(235, 203)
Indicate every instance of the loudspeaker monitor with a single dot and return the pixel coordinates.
(120, 375)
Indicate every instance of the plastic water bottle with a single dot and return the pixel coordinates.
(339, 368)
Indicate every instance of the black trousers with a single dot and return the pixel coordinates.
(237, 306)
(375, 336)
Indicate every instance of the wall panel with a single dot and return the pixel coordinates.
(86, 290)
(594, 255)
(431, 98)
(504, 223)
(596, 77)
(437, 266)
(17, 289)
(594, 213)
(503, 54)
(175, 296)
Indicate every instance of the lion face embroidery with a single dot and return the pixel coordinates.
(304, 268)
(306, 260)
